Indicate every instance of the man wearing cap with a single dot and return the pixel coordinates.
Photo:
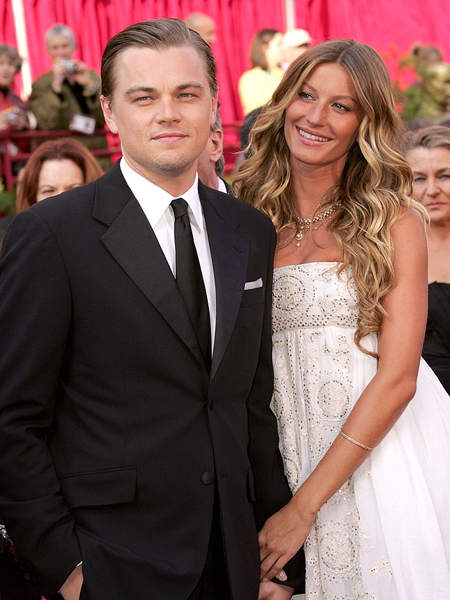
(295, 42)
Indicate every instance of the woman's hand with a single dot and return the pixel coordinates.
(281, 538)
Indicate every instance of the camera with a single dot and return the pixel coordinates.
(70, 66)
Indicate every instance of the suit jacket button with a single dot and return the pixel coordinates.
(207, 478)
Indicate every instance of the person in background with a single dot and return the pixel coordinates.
(55, 167)
(68, 96)
(422, 57)
(364, 422)
(211, 162)
(246, 127)
(435, 99)
(295, 42)
(13, 111)
(203, 25)
(428, 152)
(257, 85)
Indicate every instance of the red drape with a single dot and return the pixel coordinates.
(390, 26)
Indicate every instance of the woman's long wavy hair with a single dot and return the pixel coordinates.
(375, 184)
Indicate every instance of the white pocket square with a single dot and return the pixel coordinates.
(251, 285)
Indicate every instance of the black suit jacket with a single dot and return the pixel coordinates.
(112, 430)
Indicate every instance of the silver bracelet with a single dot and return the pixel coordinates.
(344, 435)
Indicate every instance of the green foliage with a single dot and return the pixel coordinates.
(7, 201)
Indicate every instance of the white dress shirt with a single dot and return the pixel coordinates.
(155, 202)
(222, 187)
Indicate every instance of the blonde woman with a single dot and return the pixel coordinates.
(364, 425)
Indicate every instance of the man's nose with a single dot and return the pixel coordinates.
(168, 110)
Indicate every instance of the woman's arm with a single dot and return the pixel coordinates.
(376, 410)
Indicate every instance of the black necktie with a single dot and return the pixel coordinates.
(189, 277)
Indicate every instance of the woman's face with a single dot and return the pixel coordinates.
(58, 176)
(7, 71)
(431, 170)
(322, 121)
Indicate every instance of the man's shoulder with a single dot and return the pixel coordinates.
(43, 79)
(76, 204)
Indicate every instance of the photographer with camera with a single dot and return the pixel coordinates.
(68, 96)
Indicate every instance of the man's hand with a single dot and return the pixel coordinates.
(71, 588)
(83, 77)
(274, 591)
(59, 73)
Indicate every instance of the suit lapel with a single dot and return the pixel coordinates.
(132, 243)
(229, 252)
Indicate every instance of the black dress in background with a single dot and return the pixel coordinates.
(436, 347)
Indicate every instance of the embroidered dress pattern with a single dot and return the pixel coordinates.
(319, 375)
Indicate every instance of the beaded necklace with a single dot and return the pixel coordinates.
(302, 225)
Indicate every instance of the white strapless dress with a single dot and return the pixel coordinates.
(385, 535)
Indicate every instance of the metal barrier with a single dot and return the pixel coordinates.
(7, 159)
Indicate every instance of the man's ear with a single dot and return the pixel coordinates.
(216, 145)
(108, 113)
(214, 105)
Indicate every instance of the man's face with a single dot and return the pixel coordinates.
(60, 46)
(162, 109)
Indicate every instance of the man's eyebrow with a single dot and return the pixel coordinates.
(190, 84)
(140, 89)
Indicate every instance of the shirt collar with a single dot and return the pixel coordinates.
(155, 201)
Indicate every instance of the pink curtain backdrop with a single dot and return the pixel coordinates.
(390, 26)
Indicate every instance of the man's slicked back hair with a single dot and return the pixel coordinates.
(157, 34)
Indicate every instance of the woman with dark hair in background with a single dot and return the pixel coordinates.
(428, 153)
(364, 423)
(54, 167)
(257, 85)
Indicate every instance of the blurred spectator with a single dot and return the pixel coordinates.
(68, 96)
(429, 155)
(247, 126)
(54, 167)
(203, 25)
(257, 85)
(211, 163)
(421, 58)
(13, 112)
(295, 43)
(435, 92)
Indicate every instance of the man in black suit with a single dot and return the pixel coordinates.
(134, 463)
